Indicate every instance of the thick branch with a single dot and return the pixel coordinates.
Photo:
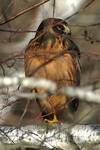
(55, 136)
(80, 92)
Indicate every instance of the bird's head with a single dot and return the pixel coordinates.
(54, 25)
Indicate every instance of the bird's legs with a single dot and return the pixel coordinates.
(54, 120)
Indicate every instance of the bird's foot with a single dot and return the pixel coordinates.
(53, 121)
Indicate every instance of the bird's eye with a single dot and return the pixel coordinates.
(59, 28)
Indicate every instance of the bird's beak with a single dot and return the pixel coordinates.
(67, 31)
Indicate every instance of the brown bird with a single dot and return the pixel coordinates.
(53, 55)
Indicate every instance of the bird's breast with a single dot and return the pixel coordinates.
(45, 61)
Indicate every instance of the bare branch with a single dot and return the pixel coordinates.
(24, 11)
(54, 5)
(81, 93)
(16, 31)
(89, 4)
(82, 9)
(18, 55)
(27, 82)
(54, 136)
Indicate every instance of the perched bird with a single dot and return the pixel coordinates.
(53, 55)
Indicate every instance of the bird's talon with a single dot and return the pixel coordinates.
(53, 121)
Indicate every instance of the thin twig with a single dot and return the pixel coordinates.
(91, 2)
(24, 11)
(82, 9)
(3, 70)
(54, 5)
(16, 31)
(24, 112)
(16, 56)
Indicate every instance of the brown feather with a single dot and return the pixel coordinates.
(62, 69)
